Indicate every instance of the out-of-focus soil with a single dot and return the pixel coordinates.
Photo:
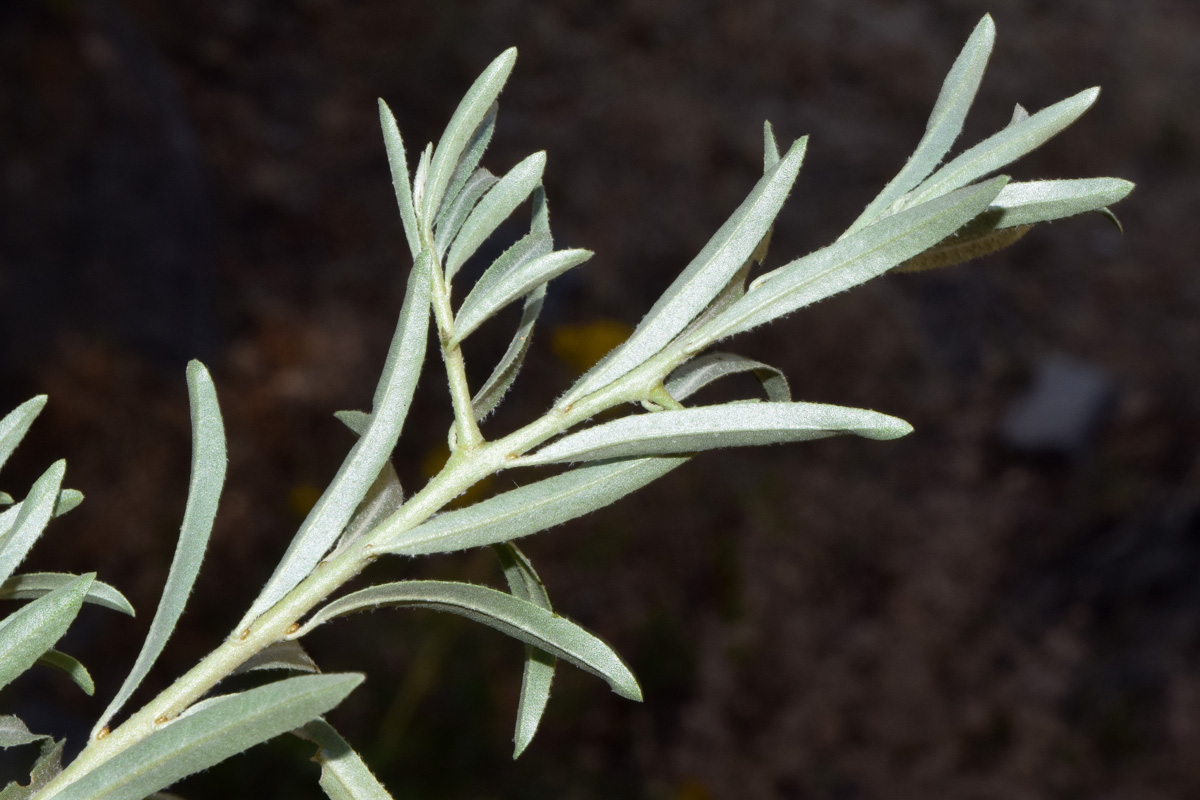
(934, 617)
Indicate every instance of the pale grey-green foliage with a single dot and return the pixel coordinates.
(931, 214)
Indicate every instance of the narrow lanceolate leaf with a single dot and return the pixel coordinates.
(1040, 201)
(33, 585)
(357, 421)
(517, 618)
(204, 494)
(337, 504)
(960, 248)
(30, 519)
(1001, 149)
(529, 509)
(709, 427)
(31, 630)
(478, 307)
(471, 157)
(398, 161)
(70, 667)
(505, 372)
(385, 496)
(14, 733)
(211, 735)
(455, 212)
(704, 278)
(529, 247)
(16, 423)
(945, 123)
(770, 147)
(700, 372)
(68, 500)
(344, 775)
(849, 262)
(279, 655)
(456, 138)
(419, 176)
(495, 207)
(524, 583)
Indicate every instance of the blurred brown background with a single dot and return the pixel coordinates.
(965, 613)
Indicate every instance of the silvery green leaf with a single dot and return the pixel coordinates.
(384, 497)
(708, 427)
(393, 396)
(33, 585)
(1001, 149)
(454, 214)
(849, 262)
(5, 499)
(68, 500)
(69, 666)
(700, 372)
(16, 423)
(495, 207)
(211, 735)
(703, 279)
(505, 372)
(14, 733)
(48, 765)
(524, 583)
(29, 519)
(419, 176)
(976, 239)
(478, 306)
(473, 109)
(529, 247)
(279, 655)
(471, 157)
(357, 421)
(1020, 114)
(398, 161)
(945, 123)
(770, 147)
(1039, 201)
(517, 618)
(344, 775)
(204, 495)
(532, 508)
(33, 629)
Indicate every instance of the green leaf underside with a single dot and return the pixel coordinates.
(31, 518)
(357, 421)
(1004, 147)
(475, 106)
(515, 617)
(709, 427)
(210, 735)
(1028, 202)
(493, 208)
(704, 278)
(70, 667)
(849, 262)
(532, 508)
(471, 157)
(960, 249)
(33, 585)
(393, 397)
(279, 655)
(477, 308)
(505, 372)
(700, 372)
(33, 629)
(47, 766)
(385, 496)
(538, 675)
(944, 125)
(16, 424)
(14, 733)
(204, 494)
(6, 499)
(398, 162)
(453, 216)
(344, 775)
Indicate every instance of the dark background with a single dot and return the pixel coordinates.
(944, 616)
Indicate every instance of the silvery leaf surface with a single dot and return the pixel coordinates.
(1004, 147)
(770, 147)
(69, 666)
(709, 427)
(493, 208)
(204, 495)
(211, 735)
(33, 629)
(480, 306)
(279, 655)
(517, 618)
(703, 279)
(472, 110)
(357, 421)
(453, 216)
(393, 397)
(850, 261)
(32, 585)
(471, 157)
(385, 496)
(16, 424)
(529, 247)
(344, 775)
(700, 372)
(29, 519)
(944, 125)
(1027, 202)
(505, 372)
(398, 162)
(531, 508)
(14, 732)
(5, 499)
(68, 500)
